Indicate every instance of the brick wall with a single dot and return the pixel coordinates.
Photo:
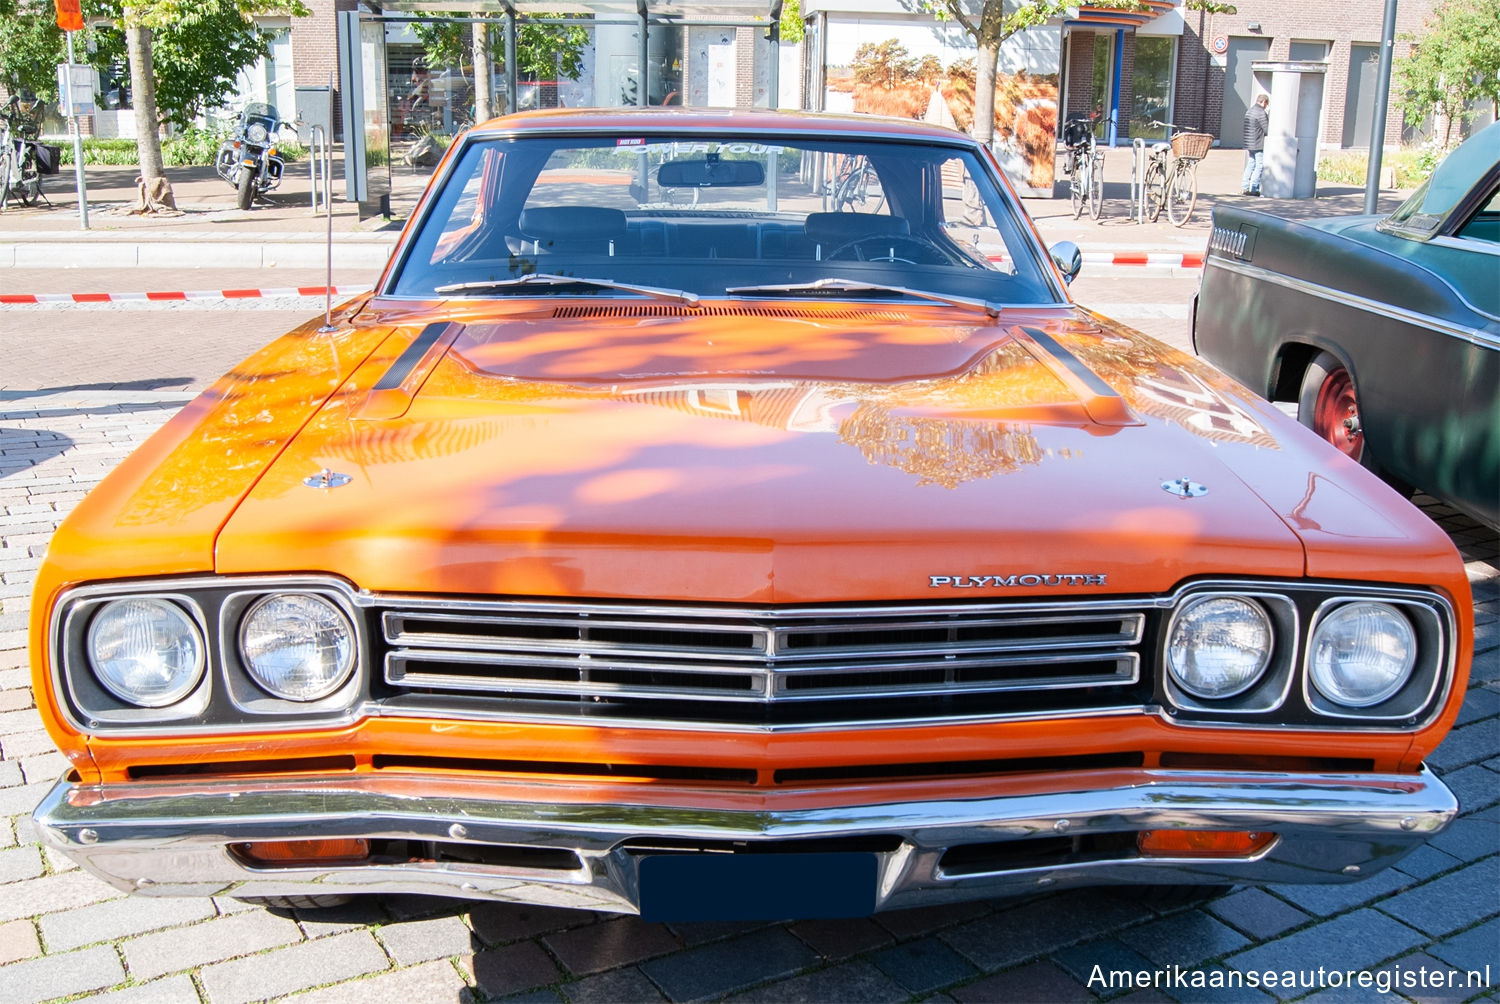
(1080, 71)
(315, 52)
(744, 67)
(1345, 24)
(1200, 86)
(1127, 75)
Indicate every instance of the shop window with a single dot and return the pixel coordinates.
(1151, 86)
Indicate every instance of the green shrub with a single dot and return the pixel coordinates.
(1348, 167)
(193, 148)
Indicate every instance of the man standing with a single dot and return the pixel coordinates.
(1257, 121)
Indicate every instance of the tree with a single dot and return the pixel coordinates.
(884, 64)
(991, 26)
(183, 57)
(1455, 64)
(543, 51)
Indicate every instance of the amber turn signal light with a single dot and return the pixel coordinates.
(1202, 843)
(306, 852)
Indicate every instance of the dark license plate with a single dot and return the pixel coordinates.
(693, 887)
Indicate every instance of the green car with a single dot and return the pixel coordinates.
(1385, 331)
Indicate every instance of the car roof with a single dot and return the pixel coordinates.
(728, 121)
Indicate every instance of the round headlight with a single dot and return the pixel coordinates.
(256, 133)
(1362, 653)
(1219, 646)
(298, 646)
(145, 651)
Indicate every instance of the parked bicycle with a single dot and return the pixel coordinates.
(854, 185)
(20, 135)
(1171, 181)
(1084, 166)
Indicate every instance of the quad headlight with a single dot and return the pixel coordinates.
(146, 651)
(1362, 653)
(297, 646)
(1219, 646)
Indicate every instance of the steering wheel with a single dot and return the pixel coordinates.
(886, 247)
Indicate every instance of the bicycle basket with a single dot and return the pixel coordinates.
(1191, 145)
(1076, 132)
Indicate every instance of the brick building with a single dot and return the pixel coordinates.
(1213, 78)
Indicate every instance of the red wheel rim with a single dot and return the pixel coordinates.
(1336, 414)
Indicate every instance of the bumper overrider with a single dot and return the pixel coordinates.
(687, 855)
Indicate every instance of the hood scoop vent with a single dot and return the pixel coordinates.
(672, 310)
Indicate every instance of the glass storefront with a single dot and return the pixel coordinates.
(1151, 85)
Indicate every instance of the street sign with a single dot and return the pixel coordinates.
(69, 15)
(75, 89)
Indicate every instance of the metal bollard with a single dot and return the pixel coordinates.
(1138, 180)
(320, 163)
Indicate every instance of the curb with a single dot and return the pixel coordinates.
(169, 295)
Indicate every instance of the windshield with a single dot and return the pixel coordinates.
(1439, 195)
(789, 216)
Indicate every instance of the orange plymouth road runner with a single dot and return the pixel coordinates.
(668, 534)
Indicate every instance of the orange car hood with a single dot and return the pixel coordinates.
(786, 456)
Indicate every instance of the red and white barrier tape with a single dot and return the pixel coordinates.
(1160, 259)
(160, 296)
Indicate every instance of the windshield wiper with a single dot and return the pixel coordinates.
(551, 279)
(853, 286)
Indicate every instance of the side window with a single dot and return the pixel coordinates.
(967, 220)
(469, 211)
(1485, 224)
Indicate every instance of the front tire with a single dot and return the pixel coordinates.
(245, 190)
(1183, 195)
(1156, 190)
(1078, 186)
(1328, 404)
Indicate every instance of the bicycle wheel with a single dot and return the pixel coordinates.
(1156, 189)
(1184, 193)
(29, 185)
(1096, 186)
(867, 179)
(1077, 185)
(5, 159)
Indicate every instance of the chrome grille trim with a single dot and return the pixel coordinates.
(559, 653)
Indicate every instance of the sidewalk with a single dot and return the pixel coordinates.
(286, 232)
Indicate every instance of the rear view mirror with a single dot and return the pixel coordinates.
(711, 174)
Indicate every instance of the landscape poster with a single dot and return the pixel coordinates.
(926, 71)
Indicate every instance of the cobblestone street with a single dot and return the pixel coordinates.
(64, 933)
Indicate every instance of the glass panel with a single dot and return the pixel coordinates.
(707, 215)
(1103, 84)
(1151, 86)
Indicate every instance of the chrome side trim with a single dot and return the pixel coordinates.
(1471, 245)
(1477, 336)
(174, 838)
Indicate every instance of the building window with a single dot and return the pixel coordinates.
(1151, 85)
(114, 88)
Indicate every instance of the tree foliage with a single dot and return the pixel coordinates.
(543, 51)
(992, 26)
(196, 55)
(1454, 65)
(884, 64)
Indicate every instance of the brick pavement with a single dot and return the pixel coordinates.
(64, 934)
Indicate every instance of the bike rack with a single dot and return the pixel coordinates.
(320, 161)
(1138, 180)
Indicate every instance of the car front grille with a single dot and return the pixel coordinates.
(772, 666)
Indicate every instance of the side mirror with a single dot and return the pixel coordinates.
(1068, 258)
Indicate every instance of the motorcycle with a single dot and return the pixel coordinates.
(248, 158)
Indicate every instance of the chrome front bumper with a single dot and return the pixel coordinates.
(174, 838)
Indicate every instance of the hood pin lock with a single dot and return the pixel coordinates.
(327, 479)
(1184, 488)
